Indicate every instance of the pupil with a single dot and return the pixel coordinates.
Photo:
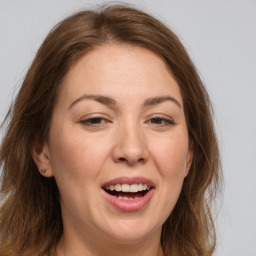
(157, 120)
(96, 120)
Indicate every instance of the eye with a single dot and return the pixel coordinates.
(94, 121)
(160, 121)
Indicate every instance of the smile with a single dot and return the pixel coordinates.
(126, 191)
(128, 194)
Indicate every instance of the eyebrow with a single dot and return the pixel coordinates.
(111, 102)
(160, 99)
(101, 99)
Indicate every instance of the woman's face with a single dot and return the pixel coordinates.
(118, 145)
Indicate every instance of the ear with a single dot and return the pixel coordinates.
(189, 161)
(40, 154)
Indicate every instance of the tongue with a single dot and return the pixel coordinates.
(129, 194)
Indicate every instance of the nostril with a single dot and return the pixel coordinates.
(130, 161)
(122, 159)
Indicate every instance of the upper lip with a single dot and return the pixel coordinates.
(129, 181)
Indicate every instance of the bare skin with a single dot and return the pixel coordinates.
(119, 114)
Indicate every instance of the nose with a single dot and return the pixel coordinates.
(130, 146)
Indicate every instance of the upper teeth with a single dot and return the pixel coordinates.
(128, 188)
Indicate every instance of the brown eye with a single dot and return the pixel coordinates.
(161, 121)
(94, 121)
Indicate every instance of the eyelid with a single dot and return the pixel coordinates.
(160, 115)
(165, 120)
(95, 115)
(169, 121)
(86, 120)
(92, 117)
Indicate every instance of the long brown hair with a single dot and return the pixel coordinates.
(30, 214)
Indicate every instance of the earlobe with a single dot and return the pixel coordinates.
(41, 157)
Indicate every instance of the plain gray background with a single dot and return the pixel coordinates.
(221, 39)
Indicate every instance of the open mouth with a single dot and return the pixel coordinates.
(128, 192)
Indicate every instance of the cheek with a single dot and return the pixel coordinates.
(75, 157)
(76, 161)
(170, 156)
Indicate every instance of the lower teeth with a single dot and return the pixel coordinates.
(127, 198)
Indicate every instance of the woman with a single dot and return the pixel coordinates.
(110, 149)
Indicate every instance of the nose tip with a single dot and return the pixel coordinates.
(130, 148)
(131, 160)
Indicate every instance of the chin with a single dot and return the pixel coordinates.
(132, 231)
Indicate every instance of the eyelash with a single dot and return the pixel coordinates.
(89, 121)
(97, 121)
(166, 121)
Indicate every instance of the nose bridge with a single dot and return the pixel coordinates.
(130, 143)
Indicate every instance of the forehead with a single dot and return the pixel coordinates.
(119, 71)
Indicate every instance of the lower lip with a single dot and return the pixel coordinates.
(129, 205)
